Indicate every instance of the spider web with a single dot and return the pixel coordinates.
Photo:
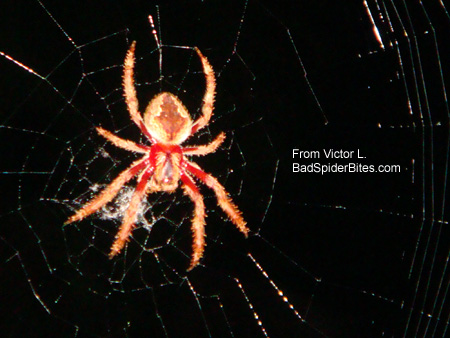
(333, 255)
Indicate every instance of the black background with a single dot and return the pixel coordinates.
(356, 254)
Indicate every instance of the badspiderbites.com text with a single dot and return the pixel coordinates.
(311, 161)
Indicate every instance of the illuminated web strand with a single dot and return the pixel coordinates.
(277, 289)
(77, 48)
(30, 283)
(291, 39)
(26, 172)
(250, 305)
(45, 78)
(155, 34)
(438, 313)
(57, 24)
(158, 41)
(158, 315)
(374, 26)
(424, 280)
(234, 51)
(306, 75)
(199, 306)
(423, 164)
(28, 69)
(236, 41)
(222, 309)
(241, 22)
(273, 189)
(425, 122)
(442, 209)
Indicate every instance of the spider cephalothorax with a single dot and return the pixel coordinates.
(166, 124)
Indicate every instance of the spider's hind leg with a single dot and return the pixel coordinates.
(223, 199)
(130, 215)
(198, 222)
(109, 192)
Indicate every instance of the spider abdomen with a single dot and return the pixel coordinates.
(167, 119)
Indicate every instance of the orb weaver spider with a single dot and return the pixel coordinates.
(166, 123)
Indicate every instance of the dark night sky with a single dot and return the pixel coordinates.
(356, 254)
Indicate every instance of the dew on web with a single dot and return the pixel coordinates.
(329, 255)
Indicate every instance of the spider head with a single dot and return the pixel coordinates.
(167, 119)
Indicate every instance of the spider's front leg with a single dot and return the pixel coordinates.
(198, 222)
(208, 98)
(130, 91)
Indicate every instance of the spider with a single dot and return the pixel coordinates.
(166, 123)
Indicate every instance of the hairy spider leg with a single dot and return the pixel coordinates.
(208, 98)
(205, 149)
(130, 215)
(122, 143)
(110, 191)
(198, 222)
(130, 91)
(223, 199)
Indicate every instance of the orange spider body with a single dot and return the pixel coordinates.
(166, 124)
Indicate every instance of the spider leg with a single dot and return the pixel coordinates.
(223, 199)
(109, 192)
(130, 91)
(130, 215)
(205, 149)
(198, 222)
(121, 143)
(208, 98)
